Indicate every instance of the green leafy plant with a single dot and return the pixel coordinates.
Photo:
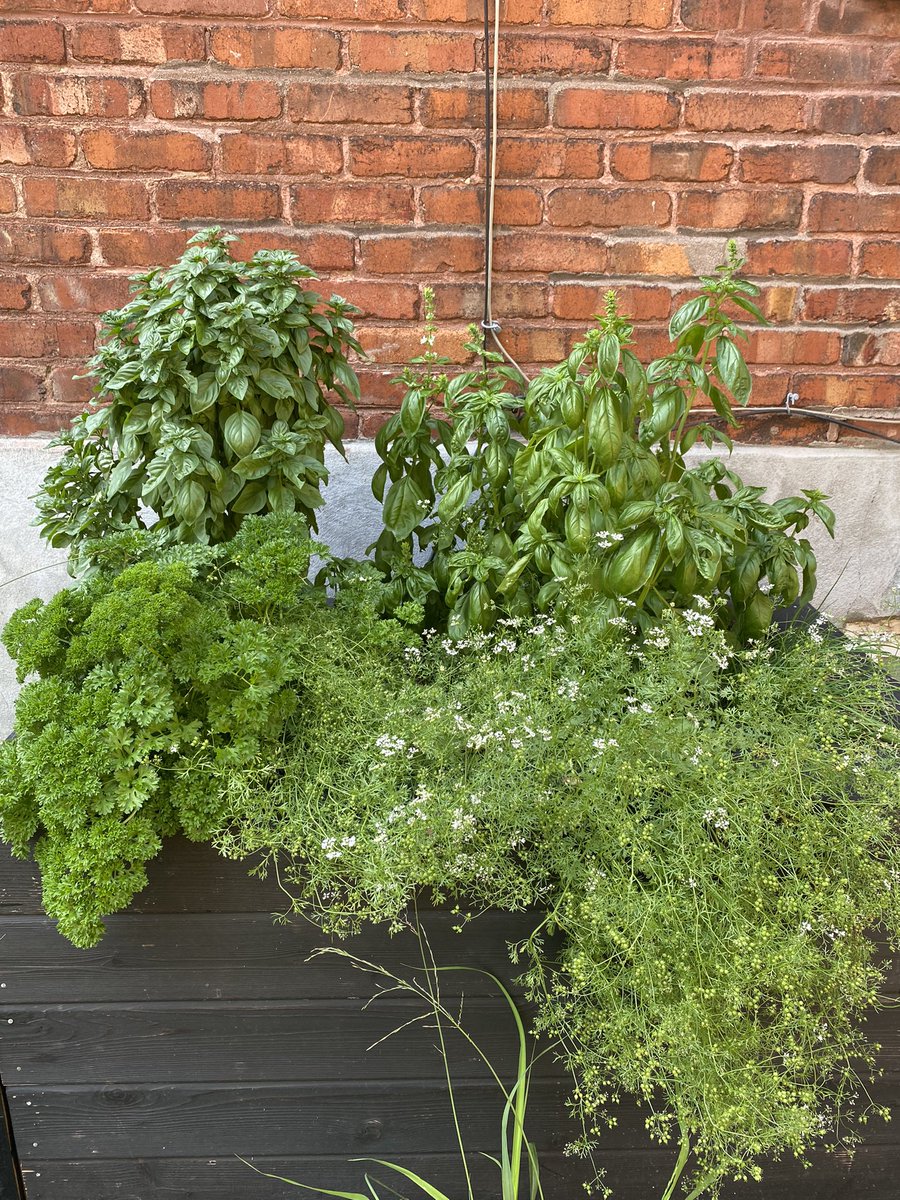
(712, 832)
(516, 1151)
(215, 380)
(491, 502)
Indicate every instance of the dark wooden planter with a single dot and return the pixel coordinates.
(197, 1031)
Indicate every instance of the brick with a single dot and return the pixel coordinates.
(422, 157)
(799, 257)
(842, 213)
(136, 43)
(82, 293)
(67, 388)
(464, 205)
(400, 343)
(463, 107)
(799, 163)
(45, 337)
(761, 208)
(614, 108)
(75, 196)
(784, 15)
(880, 259)
(637, 256)
(423, 52)
(145, 150)
(550, 253)
(226, 201)
(343, 103)
(822, 63)
(512, 12)
(648, 14)
(867, 350)
(515, 299)
(581, 301)
(536, 344)
(352, 204)
(792, 346)
(549, 158)
(747, 111)
(871, 18)
(18, 386)
(423, 254)
(37, 145)
(321, 250)
(711, 14)
(204, 8)
(76, 96)
(280, 154)
(541, 53)
(341, 10)
(31, 41)
(608, 208)
(34, 242)
(391, 301)
(694, 162)
(15, 292)
(848, 390)
(680, 58)
(232, 100)
(851, 305)
(876, 114)
(146, 247)
(272, 46)
(883, 166)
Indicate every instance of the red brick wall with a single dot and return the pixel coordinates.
(637, 137)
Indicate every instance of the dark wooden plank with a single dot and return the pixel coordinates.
(197, 1042)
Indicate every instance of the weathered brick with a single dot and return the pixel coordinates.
(422, 157)
(463, 107)
(818, 63)
(582, 301)
(851, 305)
(759, 208)
(790, 257)
(323, 250)
(464, 205)
(400, 343)
(66, 387)
(229, 99)
(109, 42)
(549, 253)
(540, 53)
(342, 10)
(549, 158)
(42, 145)
(35, 242)
(840, 212)
(145, 150)
(535, 344)
(280, 154)
(352, 204)
(422, 51)
(226, 201)
(391, 301)
(799, 163)
(343, 103)
(82, 292)
(637, 256)
(149, 246)
(510, 299)
(711, 14)
(84, 196)
(15, 292)
(45, 337)
(692, 162)
(608, 208)
(850, 389)
(647, 14)
(681, 58)
(512, 12)
(19, 386)
(882, 166)
(745, 111)
(877, 114)
(871, 18)
(788, 16)
(614, 108)
(422, 254)
(78, 95)
(269, 46)
(792, 346)
(873, 349)
(8, 199)
(204, 8)
(31, 41)
(880, 259)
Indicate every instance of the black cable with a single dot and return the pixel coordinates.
(814, 415)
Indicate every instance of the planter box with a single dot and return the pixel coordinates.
(196, 1031)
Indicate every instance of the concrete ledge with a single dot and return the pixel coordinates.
(859, 572)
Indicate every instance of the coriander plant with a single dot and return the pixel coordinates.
(214, 381)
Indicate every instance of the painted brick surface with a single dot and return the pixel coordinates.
(637, 136)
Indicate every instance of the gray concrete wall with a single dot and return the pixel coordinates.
(859, 572)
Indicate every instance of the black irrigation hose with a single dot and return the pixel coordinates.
(790, 410)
